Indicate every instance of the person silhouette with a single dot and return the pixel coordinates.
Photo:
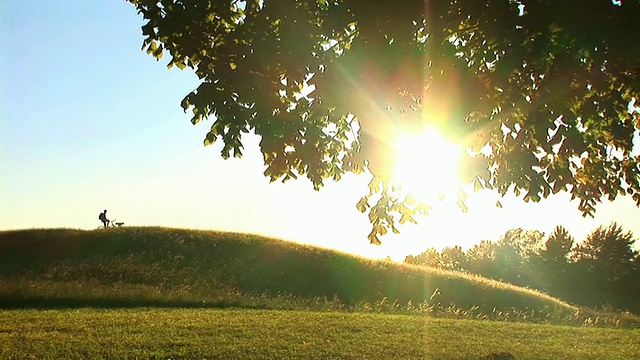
(103, 218)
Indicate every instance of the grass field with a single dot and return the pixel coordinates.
(273, 334)
(171, 293)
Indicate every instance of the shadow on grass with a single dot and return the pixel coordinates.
(14, 303)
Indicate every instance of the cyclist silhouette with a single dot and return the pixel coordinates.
(103, 218)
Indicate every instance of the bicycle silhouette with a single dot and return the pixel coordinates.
(111, 224)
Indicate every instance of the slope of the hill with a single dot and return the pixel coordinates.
(176, 267)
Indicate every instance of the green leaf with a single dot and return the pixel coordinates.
(423, 208)
(363, 204)
(409, 200)
(374, 185)
(153, 46)
(477, 185)
(462, 199)
(210, 139)
(373, 238)
(406, 217)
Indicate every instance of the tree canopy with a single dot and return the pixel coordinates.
(539, 94)
(601, 270)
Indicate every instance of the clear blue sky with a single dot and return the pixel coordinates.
(89, 122)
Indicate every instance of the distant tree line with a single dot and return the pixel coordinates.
(602, 270)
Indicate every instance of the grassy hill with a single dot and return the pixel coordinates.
(131, 267)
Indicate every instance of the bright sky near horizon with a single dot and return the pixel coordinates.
(89, 122)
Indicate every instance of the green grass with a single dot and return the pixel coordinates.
(273, 334)
(134, 267)
(171, 293)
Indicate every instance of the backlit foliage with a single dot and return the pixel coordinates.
(543, 88)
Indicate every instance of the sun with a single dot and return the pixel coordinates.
(427, 164)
